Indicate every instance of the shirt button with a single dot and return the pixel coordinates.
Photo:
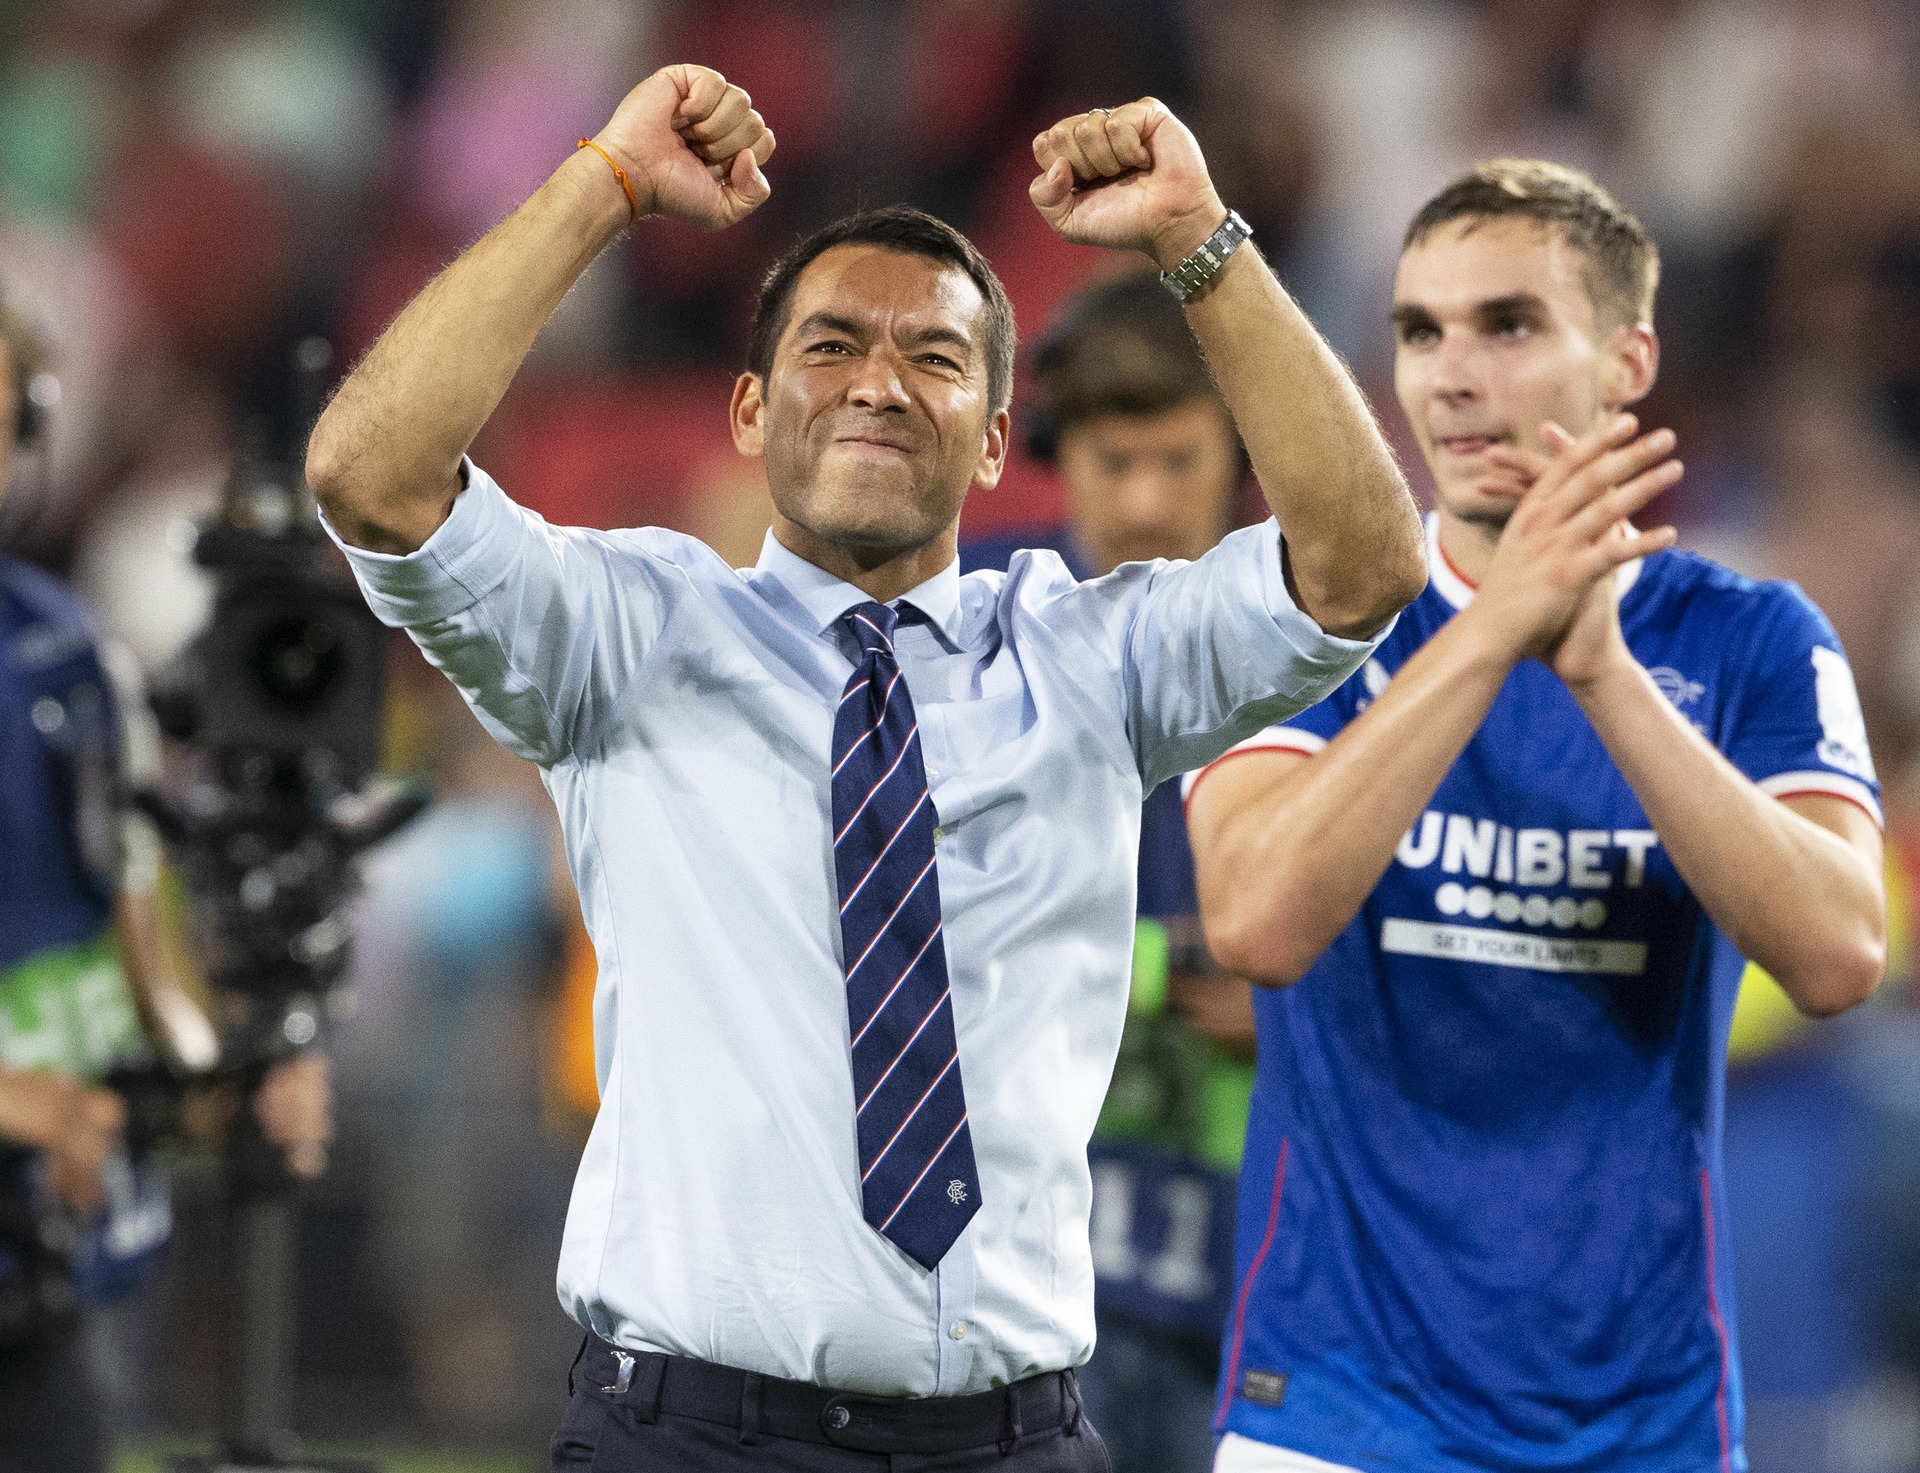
(938, 835)
(959, 1330)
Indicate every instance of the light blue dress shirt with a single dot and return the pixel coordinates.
(682, 713)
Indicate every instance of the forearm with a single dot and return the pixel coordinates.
(384, 458)
(1793, 896)
(1282, 867)
(31, 1103)
(22, 1118)
(1352, 532)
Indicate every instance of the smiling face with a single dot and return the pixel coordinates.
(1496, 331)
(874, 416)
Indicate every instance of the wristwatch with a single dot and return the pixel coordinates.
(1195, 274)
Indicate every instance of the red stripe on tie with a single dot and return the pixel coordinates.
(874, 1165)
(855, 745)
(884, 847)
(1246, 1288)
(890, 919)
(860, 1109)
(885, 637)
(1719, 1330)
(923, 1174)
(869, 798)
(875, 1014)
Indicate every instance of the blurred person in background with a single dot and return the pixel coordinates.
(1123, 407)
(1515, 867)
(85, 984)
(742, 1235)
(441, 1075)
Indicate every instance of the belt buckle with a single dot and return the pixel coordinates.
(623, 1377)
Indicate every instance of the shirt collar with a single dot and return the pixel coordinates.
(826, 598)
(1454, 587)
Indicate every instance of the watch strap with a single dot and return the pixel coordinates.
(1193, 275)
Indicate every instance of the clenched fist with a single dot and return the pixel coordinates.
(692, 146)
(1131, 178)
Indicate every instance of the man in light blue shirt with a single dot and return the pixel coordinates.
(788, 1248)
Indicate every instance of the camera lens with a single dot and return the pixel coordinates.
(296, 661)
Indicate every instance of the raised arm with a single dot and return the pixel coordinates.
(1286, 848)
(384, 458)
(1133, 179)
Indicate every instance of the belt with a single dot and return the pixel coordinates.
(650, 1384)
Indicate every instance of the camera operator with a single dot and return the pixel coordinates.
(84, 986)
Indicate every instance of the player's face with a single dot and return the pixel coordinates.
(1495, 332)
(1143, 486)
(875, 418)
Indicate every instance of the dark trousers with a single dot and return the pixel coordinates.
(49, 1412)
(673, 1415)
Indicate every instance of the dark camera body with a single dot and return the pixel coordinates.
(280, 698)
(291, 663)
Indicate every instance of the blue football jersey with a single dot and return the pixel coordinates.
(57, 722)
(1481, 1224)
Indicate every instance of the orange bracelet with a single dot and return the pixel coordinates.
(633, 205)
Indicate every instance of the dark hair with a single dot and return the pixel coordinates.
(1624, 263)
(894, 228)
(1122, 347)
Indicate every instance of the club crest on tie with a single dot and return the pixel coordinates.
(956, 1191)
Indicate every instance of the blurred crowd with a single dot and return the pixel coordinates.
(189, 187)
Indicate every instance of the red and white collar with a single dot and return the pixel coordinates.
(1457, 589)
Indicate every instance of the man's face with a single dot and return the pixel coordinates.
(1143, 486)
(1495, 331)
(874, 418)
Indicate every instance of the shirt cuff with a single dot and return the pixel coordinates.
(467, 557)
(1321, 654)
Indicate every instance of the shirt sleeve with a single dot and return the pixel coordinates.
(1304, 732)
(1211, 651)
(1794, 725)
(541, 627)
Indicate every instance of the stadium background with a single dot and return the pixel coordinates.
(188, 186)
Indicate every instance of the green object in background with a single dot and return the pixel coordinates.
(1228, 1090)
(68, 1008)
(53, 134)
(1173, 1087)
(1152, 961)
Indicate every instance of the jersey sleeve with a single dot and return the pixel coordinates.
(1795, 725)
(1305, 732)
(541, 627)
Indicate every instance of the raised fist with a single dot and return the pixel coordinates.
(692, 146)
(1128, 177)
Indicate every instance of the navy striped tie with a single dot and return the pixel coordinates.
(918, 1184)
